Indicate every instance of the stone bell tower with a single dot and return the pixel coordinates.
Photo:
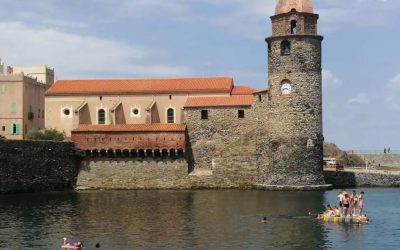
(293, 154)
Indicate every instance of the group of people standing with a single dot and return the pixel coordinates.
(349, 205)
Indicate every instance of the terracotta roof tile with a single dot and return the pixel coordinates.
(261, 91)
(242, 90)
(239, 100)
(132, 128)
(141, 86)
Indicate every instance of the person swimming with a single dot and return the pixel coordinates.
(264, 220)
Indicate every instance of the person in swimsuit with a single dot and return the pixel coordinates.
(264, 220)
(346, 204)
(329, 211)
(361, 202)
(354, 203)
(340, 198)
(337, 211)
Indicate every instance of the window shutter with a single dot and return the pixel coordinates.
(18, 129)
(11, 129)
(13, 108)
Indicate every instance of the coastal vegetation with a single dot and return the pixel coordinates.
(45, 135)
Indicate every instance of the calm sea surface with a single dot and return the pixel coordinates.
(193, 220)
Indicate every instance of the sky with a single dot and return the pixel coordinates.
(199, 38)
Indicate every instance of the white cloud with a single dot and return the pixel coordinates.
(344, 14)
(393, 93)
(149, 8)
(244, 18)
(79, 55)
(360, 98)
(394, 83)
(330, 81)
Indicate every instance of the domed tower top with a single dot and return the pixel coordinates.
(294, 17)
(285, 6)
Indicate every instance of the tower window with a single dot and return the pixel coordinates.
(285, 48)
(241, 114)
(170, 116)
(293, 27)
(170, 97)
(269, 48)
(101, 98)
(101, 116)
(259, 98)
(204, 114)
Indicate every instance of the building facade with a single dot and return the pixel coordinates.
(22, 99)
(275, 132)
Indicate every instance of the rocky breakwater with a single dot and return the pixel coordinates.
(31, 166)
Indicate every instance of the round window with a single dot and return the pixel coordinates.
(135, 111)
(67, 112)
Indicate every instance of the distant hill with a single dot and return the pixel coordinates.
(343, 158)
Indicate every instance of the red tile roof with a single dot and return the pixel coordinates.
(261, 91)
(239, 100)
(132, 128)
(242, 90)
(141, 86)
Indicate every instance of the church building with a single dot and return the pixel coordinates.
(242, 136)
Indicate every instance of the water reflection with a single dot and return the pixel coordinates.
(163, 219)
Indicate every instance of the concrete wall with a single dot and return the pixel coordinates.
(28, 166)
(362, 179)
(43, 74)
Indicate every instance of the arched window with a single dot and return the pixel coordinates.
(293, 27)
(285, 48)
(170, 116)
(101, 116)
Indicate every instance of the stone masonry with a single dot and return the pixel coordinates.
(28, 166)
(279, 141)
(281, 135)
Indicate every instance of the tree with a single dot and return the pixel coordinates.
(45, 135)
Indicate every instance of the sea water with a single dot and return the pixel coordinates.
(194, 220)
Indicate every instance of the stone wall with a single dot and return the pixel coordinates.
(362, 179)
(29, 166)
(133, 174)
(383, 160)
(165, 174)
(209, 139)
(290, 150)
